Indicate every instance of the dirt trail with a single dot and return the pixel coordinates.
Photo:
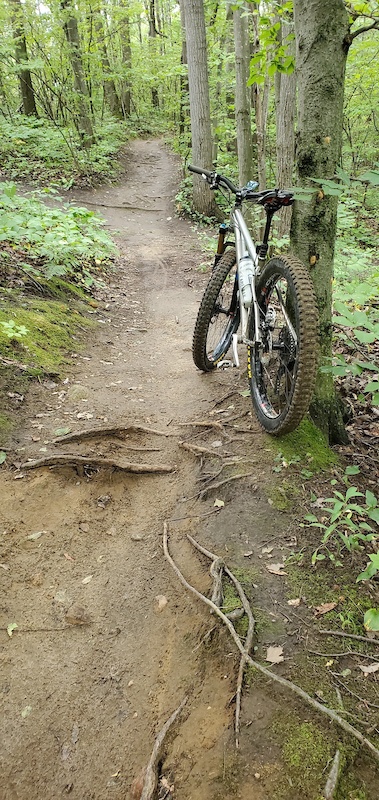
(96, 667)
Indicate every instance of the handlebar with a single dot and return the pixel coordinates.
(269, 197)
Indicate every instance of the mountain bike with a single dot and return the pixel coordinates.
(268, 305)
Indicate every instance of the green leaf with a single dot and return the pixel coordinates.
(371, 499)
(11, 627)
(371, 619)
(3, 456)
(353, 470)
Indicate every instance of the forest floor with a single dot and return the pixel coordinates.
(109, 642)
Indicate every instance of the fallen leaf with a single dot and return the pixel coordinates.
(276, 569)
(368, 670)
(26, 711)
(295, 602)
(3, 456)
(274, 655)
(249, 553)
(75, 733)
(329, 663)
(266, 550)
(161, 601)
(324, 608)
(62, 431)
(218, 504)
(84, 527)
(87, 579)
(78, 616)
(217, 443)
(34, 536)
(69, 558)
(11, 627)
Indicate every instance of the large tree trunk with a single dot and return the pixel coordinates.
(152, 38)
(199, 102)
(242, 96)
(285, 108)
(126, 94)
(184, 89)
(70, 26)
(21, 54)
(322, 28)
(109, 88)
(260, 95)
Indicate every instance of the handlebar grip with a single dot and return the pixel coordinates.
(200, 171)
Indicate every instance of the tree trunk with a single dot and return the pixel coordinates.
(184, 89)
(70, 26)
(126, 94)
(242, 96)
(260, 96)
(21, 54)
(109, 88)
(152, 38)
(203, 200)
(285, 108)
(322, 28)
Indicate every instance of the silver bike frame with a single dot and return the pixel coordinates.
(245, 246)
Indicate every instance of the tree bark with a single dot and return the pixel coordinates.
(126, 93)
(285, 111)
(21, 54)
(260, 95)
(109, 88)
(322, 28)
(203, 200)
(242, 96)
(70, 26)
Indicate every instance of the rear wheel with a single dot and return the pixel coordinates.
(218, 316)
(282, 372)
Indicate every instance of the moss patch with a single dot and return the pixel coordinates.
(51, 325)
(307, 443)
(284, 495)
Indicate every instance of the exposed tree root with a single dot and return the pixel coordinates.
(69, 460)
(93, 433)
(332, 782)
(151, 775)
(215, 425)
(198, 450)
(350, 636)
(250, 631)
(264, 670)
(219, 484)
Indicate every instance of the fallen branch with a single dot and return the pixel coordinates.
(264, 670)
(92, 433)
(68, 460)
(151, 776)
(216, 570)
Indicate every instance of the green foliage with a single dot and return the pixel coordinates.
(56, 242)
(42, 151)
(12, 330)
(351, 524)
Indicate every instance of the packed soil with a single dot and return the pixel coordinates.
(109, 641)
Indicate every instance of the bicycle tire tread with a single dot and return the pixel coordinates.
(204, 315)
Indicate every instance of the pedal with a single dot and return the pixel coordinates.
(224, 364)
(234, 349)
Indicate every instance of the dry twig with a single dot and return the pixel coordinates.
(219, 484)
(264, 670)
(197, 450)
(350, 636)
(151, 777)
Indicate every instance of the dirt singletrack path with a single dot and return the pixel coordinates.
(108, 642)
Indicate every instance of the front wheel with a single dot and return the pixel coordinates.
(282, 369)
(218, 317)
